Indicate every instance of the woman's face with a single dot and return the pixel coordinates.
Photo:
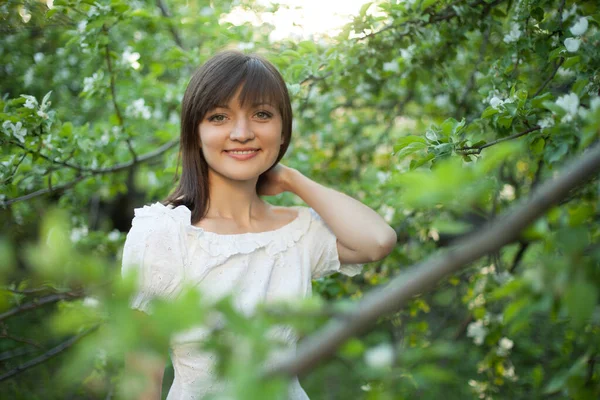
(240, 143)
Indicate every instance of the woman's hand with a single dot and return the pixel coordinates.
(275, 181)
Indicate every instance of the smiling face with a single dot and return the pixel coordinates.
(254, 113)
(241, 141)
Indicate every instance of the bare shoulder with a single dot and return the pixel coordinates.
(284, 215)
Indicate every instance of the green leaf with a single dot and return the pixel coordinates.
(581, 298)
(571, 61)
(364, 8)
(416, 163)
(407, 140)
(549, 105)
(488, 112)
(410, 149)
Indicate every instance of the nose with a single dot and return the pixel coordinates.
(242, 131)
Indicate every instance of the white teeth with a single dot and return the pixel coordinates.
(243, 152)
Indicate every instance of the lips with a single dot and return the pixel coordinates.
(241, 151)
(242, 154)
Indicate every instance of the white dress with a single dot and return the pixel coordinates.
(255, 267)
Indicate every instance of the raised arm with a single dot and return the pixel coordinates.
(363, 236)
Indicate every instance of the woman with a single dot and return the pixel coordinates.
(217, 233)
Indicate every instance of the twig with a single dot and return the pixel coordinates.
(556, 67)
(5, 334)
(471, 82)
(14, 171)
(165, 13)
(444, 15)
(477, 149)
(519, 256)
(113, 93)
(21, 351)
(37, 303)
(115, 168)
(424, 275)
(47, 355)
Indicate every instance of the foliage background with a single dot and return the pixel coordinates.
(440, 115)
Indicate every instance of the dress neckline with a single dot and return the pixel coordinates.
(291, 224)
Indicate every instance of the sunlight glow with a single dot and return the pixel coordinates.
(302, 19)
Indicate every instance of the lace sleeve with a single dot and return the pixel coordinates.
(323, 250)
(154, 248)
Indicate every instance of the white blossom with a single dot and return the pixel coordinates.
(91, 302)
(114, 235)
(507, 192)
(207, 11)
(81, 26)
(93, 12)
(498, 103)
(382, 176)
(595, 103)
(388, 213)
(509, 372)
(572, 44)
(569, 103)
(407, 54)
(380, 356)
(42, 114)
(514, 34)
(17, 130)
(442, 100)
(31, 102)
(90, 82)
(139, 109)
(78, 233)
(547, 122)
(38, 57)
(504, 347)
(131, 57)
(366, 387)
(391, 66)
(477, 331)
(579, 27)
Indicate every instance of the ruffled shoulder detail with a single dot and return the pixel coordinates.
(221, 247)
(180, 214)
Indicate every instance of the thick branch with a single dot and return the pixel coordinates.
(424, 275)
(92, 172)
(477, 150)
(46, 356)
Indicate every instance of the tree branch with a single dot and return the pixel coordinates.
(37, 303)
(477, 150)
(165, 13)
(446, 14)
(92, 172)
(47, 355)
(113, 93)
(556, 67)
(424, 275)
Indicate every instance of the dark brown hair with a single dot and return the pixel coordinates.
(214, 84)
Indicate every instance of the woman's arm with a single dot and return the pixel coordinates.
(363, 236)
(151, 368)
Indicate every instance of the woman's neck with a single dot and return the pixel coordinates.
(234, 200)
